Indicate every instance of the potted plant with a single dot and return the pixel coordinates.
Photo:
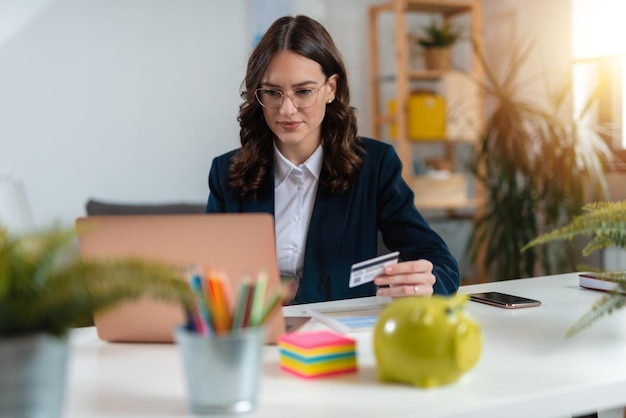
(531, 163)
(436, 42)
(605, 222)
(46, 289)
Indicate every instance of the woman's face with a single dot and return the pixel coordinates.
(296, 126)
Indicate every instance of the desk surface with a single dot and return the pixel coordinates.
(528, 368)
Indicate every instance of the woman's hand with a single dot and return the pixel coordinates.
(408, 278)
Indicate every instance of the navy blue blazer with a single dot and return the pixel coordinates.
(344, 228)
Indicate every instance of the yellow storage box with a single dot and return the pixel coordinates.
(426, 117)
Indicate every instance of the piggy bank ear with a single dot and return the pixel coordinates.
(422, 316)
(467, 345)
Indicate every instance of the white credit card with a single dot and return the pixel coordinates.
(365, 271)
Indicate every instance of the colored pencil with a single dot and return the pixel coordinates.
(202, 315)
(248, 306)
(256, 311)
(271, 307)
(221, 314)
(240, 308)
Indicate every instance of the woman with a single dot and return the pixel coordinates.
(329, 190)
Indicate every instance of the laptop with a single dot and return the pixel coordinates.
(237, 244)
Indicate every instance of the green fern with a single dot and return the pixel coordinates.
(605, 222)
(606, 305)
(46, 287)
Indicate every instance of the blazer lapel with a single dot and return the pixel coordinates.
(326, 228)
(264, 200)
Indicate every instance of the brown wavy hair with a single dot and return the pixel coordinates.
(342, 152)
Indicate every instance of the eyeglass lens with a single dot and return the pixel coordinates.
(301, 98)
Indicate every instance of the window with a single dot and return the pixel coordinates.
(599, 49)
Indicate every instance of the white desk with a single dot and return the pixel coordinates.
(528, 368)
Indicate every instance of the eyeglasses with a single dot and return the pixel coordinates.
(301, 98)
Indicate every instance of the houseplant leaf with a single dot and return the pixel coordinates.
(46, 287)
(531, 161)
(605, 222)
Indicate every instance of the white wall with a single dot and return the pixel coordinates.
(118, 99)
(131, 99)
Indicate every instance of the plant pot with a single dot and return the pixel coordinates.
(32, 376)
(436, 58)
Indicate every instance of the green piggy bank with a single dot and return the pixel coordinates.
(426, 341)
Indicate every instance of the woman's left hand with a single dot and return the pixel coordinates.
(408, 278)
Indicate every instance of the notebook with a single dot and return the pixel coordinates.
(234, 243)
(589, 281)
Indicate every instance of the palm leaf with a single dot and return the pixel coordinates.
(524, 148)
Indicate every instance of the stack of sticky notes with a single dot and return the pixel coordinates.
(317, 353)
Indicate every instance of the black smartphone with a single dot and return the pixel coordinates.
(503, 300)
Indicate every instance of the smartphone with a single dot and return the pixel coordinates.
(503, 300)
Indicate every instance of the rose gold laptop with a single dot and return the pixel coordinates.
(235, 243)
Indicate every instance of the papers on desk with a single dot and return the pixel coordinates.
(353, 320)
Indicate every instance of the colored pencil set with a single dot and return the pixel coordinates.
(213, 313)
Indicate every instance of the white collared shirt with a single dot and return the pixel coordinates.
(295, 188)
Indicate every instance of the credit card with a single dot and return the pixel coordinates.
(365, 271)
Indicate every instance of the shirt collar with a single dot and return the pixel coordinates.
(282, 166)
